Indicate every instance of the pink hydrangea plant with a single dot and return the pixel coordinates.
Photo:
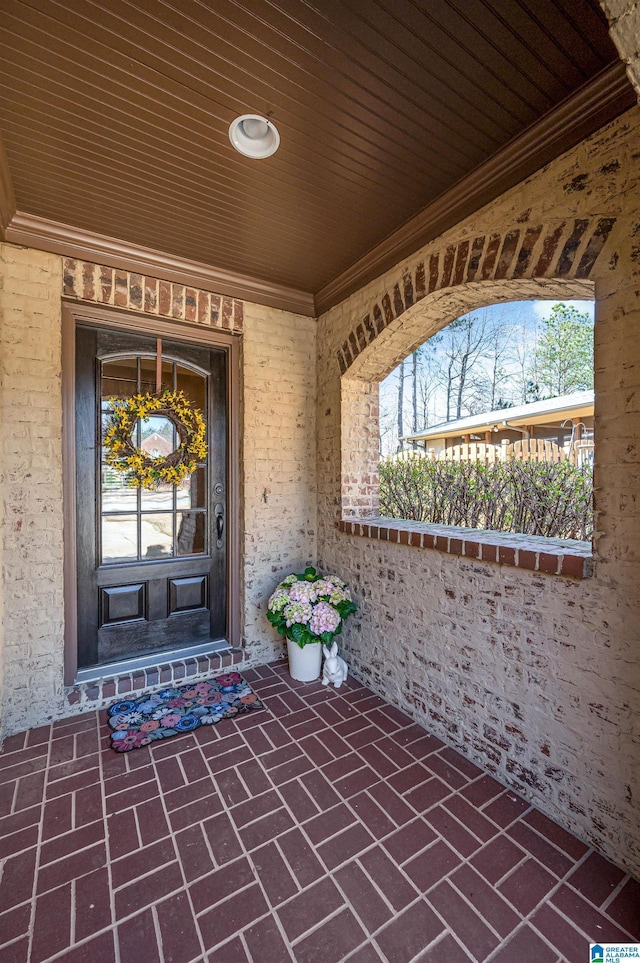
(310, 607)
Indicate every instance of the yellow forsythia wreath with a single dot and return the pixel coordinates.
(140, 469)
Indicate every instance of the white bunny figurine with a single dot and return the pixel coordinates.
(335, 668)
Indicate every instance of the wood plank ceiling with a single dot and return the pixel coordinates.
(115, 114)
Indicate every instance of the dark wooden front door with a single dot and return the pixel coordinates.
(152, 565)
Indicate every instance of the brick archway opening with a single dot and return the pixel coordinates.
(360, 383)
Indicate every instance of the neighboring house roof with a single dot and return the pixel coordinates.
(577, 405)
(156, 443)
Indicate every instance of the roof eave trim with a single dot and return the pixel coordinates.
(595, 104)
(57, 238)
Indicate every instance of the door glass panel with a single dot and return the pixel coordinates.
(117, 496)
(105, 418)
(193, 385)
(191, 533)
(157, 436)
(119, 538)
(148, 375)
(119, 378)
(157, 536)
(158, 530)
(159, 499)
(191, 493)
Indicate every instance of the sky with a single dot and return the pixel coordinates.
(540, 309)
(527, 313)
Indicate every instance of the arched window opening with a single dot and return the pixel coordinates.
(489, 424)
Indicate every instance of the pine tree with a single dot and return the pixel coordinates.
(564, 354)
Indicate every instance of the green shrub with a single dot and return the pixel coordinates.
(554, 500)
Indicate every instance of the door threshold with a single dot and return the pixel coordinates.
(108, 670)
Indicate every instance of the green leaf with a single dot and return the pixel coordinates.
(296, 633)
(346, 608)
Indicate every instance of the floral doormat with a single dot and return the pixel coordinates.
(183, 708)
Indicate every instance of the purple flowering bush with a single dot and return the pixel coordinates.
(310, 607)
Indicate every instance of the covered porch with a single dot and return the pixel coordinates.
(472, 793)
(328, 826)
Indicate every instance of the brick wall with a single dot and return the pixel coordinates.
(624, 27)
(277, 477)
(279, 471)
(534, 677)
(31, 631)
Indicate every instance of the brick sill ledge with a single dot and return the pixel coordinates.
(85, 696)
(551, 556)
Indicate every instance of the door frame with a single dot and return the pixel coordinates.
(74, 313)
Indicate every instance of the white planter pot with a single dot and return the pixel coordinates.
(304, 663)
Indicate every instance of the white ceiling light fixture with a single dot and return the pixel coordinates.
(254, 136)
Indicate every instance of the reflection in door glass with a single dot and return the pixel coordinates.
(148, 375)
(159, 499)
(119, 538)
(157, 536)
(119, 378)
(190, 493)
(191, 533)
(117, 496)
(193, 385)
(157, 436)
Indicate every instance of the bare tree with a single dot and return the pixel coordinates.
(414, 397)
(400, 405)
(482, 361)
(387, 431)
(524, 353)
(463, 343)
(428, 370)
(494, 382)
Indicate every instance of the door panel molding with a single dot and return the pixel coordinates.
(123, 603)
(73, 314)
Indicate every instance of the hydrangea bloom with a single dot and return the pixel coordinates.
(336, 580)
(324, 619)
(278, 600)
(298, 612)
(323, 587)
(339, 594)
(303, 592)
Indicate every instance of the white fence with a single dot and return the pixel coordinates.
(527, 449)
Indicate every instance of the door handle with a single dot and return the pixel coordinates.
(219, 513)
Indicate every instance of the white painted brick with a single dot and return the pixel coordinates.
(512, 650)
(516, 658)
(31, 604)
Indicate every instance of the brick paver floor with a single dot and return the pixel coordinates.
(328, 828)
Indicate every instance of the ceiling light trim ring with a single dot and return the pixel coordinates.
(254, 136)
